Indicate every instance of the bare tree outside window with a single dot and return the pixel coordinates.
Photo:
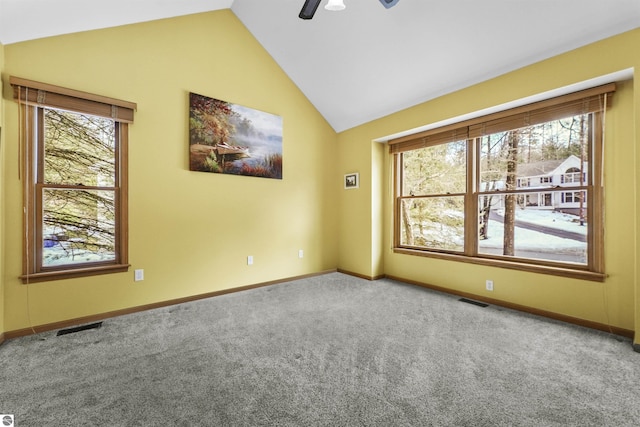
(435, 180)
(540, 223)
(74, 173)
(517, 187)
(78, 220)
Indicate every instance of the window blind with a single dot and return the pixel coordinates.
(582, 102)
(43, 94)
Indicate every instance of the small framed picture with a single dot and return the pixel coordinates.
(351, 180)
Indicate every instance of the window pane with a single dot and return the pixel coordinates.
(78, 226)
(435, 223)
(534, 229)
(545, 155)
(440, 169)
(78, 149)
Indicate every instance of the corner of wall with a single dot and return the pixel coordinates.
(360, 240)
(2, 168)
(378, 180)
(636, 130)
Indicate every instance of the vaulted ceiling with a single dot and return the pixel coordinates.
(367, 61)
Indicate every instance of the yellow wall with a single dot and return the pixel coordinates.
(191, 232)
(359, 237)
(613, 302)
(2, 168)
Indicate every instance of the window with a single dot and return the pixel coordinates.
(573, 175)
(75, 181)
(464, 191)
(524, 182)
(573, 197)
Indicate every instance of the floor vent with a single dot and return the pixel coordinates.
(79, 328)
(470, 301)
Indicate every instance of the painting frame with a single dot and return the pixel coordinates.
(351, 181)
(228, 138)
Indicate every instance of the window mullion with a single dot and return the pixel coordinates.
(595, 197)
(471, 199)
(37, 218)
(397, 192)
(39, 146)
(30, 197)
(38, 225)
(122, 192)
(79, 187)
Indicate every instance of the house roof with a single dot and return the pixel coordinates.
(548, 167)
(366, 61)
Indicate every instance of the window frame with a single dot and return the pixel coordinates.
(593, 101)
(33, 98)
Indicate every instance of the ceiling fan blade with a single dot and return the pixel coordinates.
(389, 3)
(309, 9)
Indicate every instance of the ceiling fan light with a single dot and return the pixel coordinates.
(389, 3)
(335, 5)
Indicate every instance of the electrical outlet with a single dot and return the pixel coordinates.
(300, 253)
(250, 260)
(489, 284)
(138, 275)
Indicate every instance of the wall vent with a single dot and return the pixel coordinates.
(79, 328)
(470, 301)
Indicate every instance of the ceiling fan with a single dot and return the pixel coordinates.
(310, 6)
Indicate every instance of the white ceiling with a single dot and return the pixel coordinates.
(366, 61)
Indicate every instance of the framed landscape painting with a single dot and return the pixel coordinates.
(232, 139)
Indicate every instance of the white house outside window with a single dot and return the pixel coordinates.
(520, 189)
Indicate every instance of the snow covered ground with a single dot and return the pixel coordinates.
(527, 239)
(70, 252)
(549, 219)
